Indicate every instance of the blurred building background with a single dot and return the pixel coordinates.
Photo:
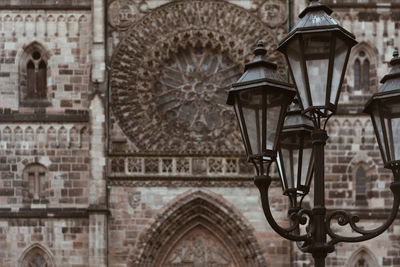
(117, 148)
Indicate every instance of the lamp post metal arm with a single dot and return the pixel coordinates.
(345, 218)
(263, 182)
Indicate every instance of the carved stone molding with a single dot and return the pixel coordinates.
(181, 182)
(136, 166)
(171, 74)
(198, 209)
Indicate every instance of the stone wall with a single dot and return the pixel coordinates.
(44, 143)
(64, 240)
(66, 37)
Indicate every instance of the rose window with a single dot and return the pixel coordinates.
(191, 90)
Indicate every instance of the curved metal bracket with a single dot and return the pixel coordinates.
(263, 182)
(345, 218)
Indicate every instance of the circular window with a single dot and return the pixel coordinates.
(36, 55)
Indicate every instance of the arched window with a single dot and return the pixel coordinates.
(33, 76)
(361, 69)
(36, 256)
(36, 180)
(363, 257)
(361, 186)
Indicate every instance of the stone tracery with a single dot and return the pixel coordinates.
(199, 248)
(191, 91)
(153, 51)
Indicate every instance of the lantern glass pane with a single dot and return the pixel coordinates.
(307, 165)
(276, 106)
(293, 54)
(280, 163)
(376, 119)
(317, 48)
(251, 102)
(238, 112)
(273, 113)
(341, 51)
(395, 127)
(389, 138)
(392, 126)
(289, 157)
(393, 107)
(289, 151)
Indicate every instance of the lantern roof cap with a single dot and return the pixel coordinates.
(394, 72)
(315, 5)
(260, 73)
(391, 83)
(295, 120)
(316, 18)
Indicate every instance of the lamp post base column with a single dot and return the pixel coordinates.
(319, 261)
(319, 248)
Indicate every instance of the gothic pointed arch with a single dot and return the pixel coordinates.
(362, 70)
(171, 73)
(36, 255)
(33, 74)
(363, 170)
(362, 257)
(199, 223)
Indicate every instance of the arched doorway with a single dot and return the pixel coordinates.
(195, 230)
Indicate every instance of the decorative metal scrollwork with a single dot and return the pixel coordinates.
(305, 217)
(345, 218)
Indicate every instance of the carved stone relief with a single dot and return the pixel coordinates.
(134, 199)
(185, 234)
(199, 248)
(273, 12)
(122, 13)
(171, 74)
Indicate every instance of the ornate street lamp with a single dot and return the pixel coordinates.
(317, 51)
(384, 108)
(260, 98)
(295, 161)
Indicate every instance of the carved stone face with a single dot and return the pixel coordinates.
(134, 199)
(272, 12)
(121, 13)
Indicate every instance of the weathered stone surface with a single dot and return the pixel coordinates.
(167, 159)
(173, 88)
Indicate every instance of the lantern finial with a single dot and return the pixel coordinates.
(260, 50)
(396, 52)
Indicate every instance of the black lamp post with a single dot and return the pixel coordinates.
(317, 51)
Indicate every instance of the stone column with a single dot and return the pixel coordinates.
(97, 187)
(97, 238)
(98, 50)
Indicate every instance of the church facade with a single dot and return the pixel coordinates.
(117, 147)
